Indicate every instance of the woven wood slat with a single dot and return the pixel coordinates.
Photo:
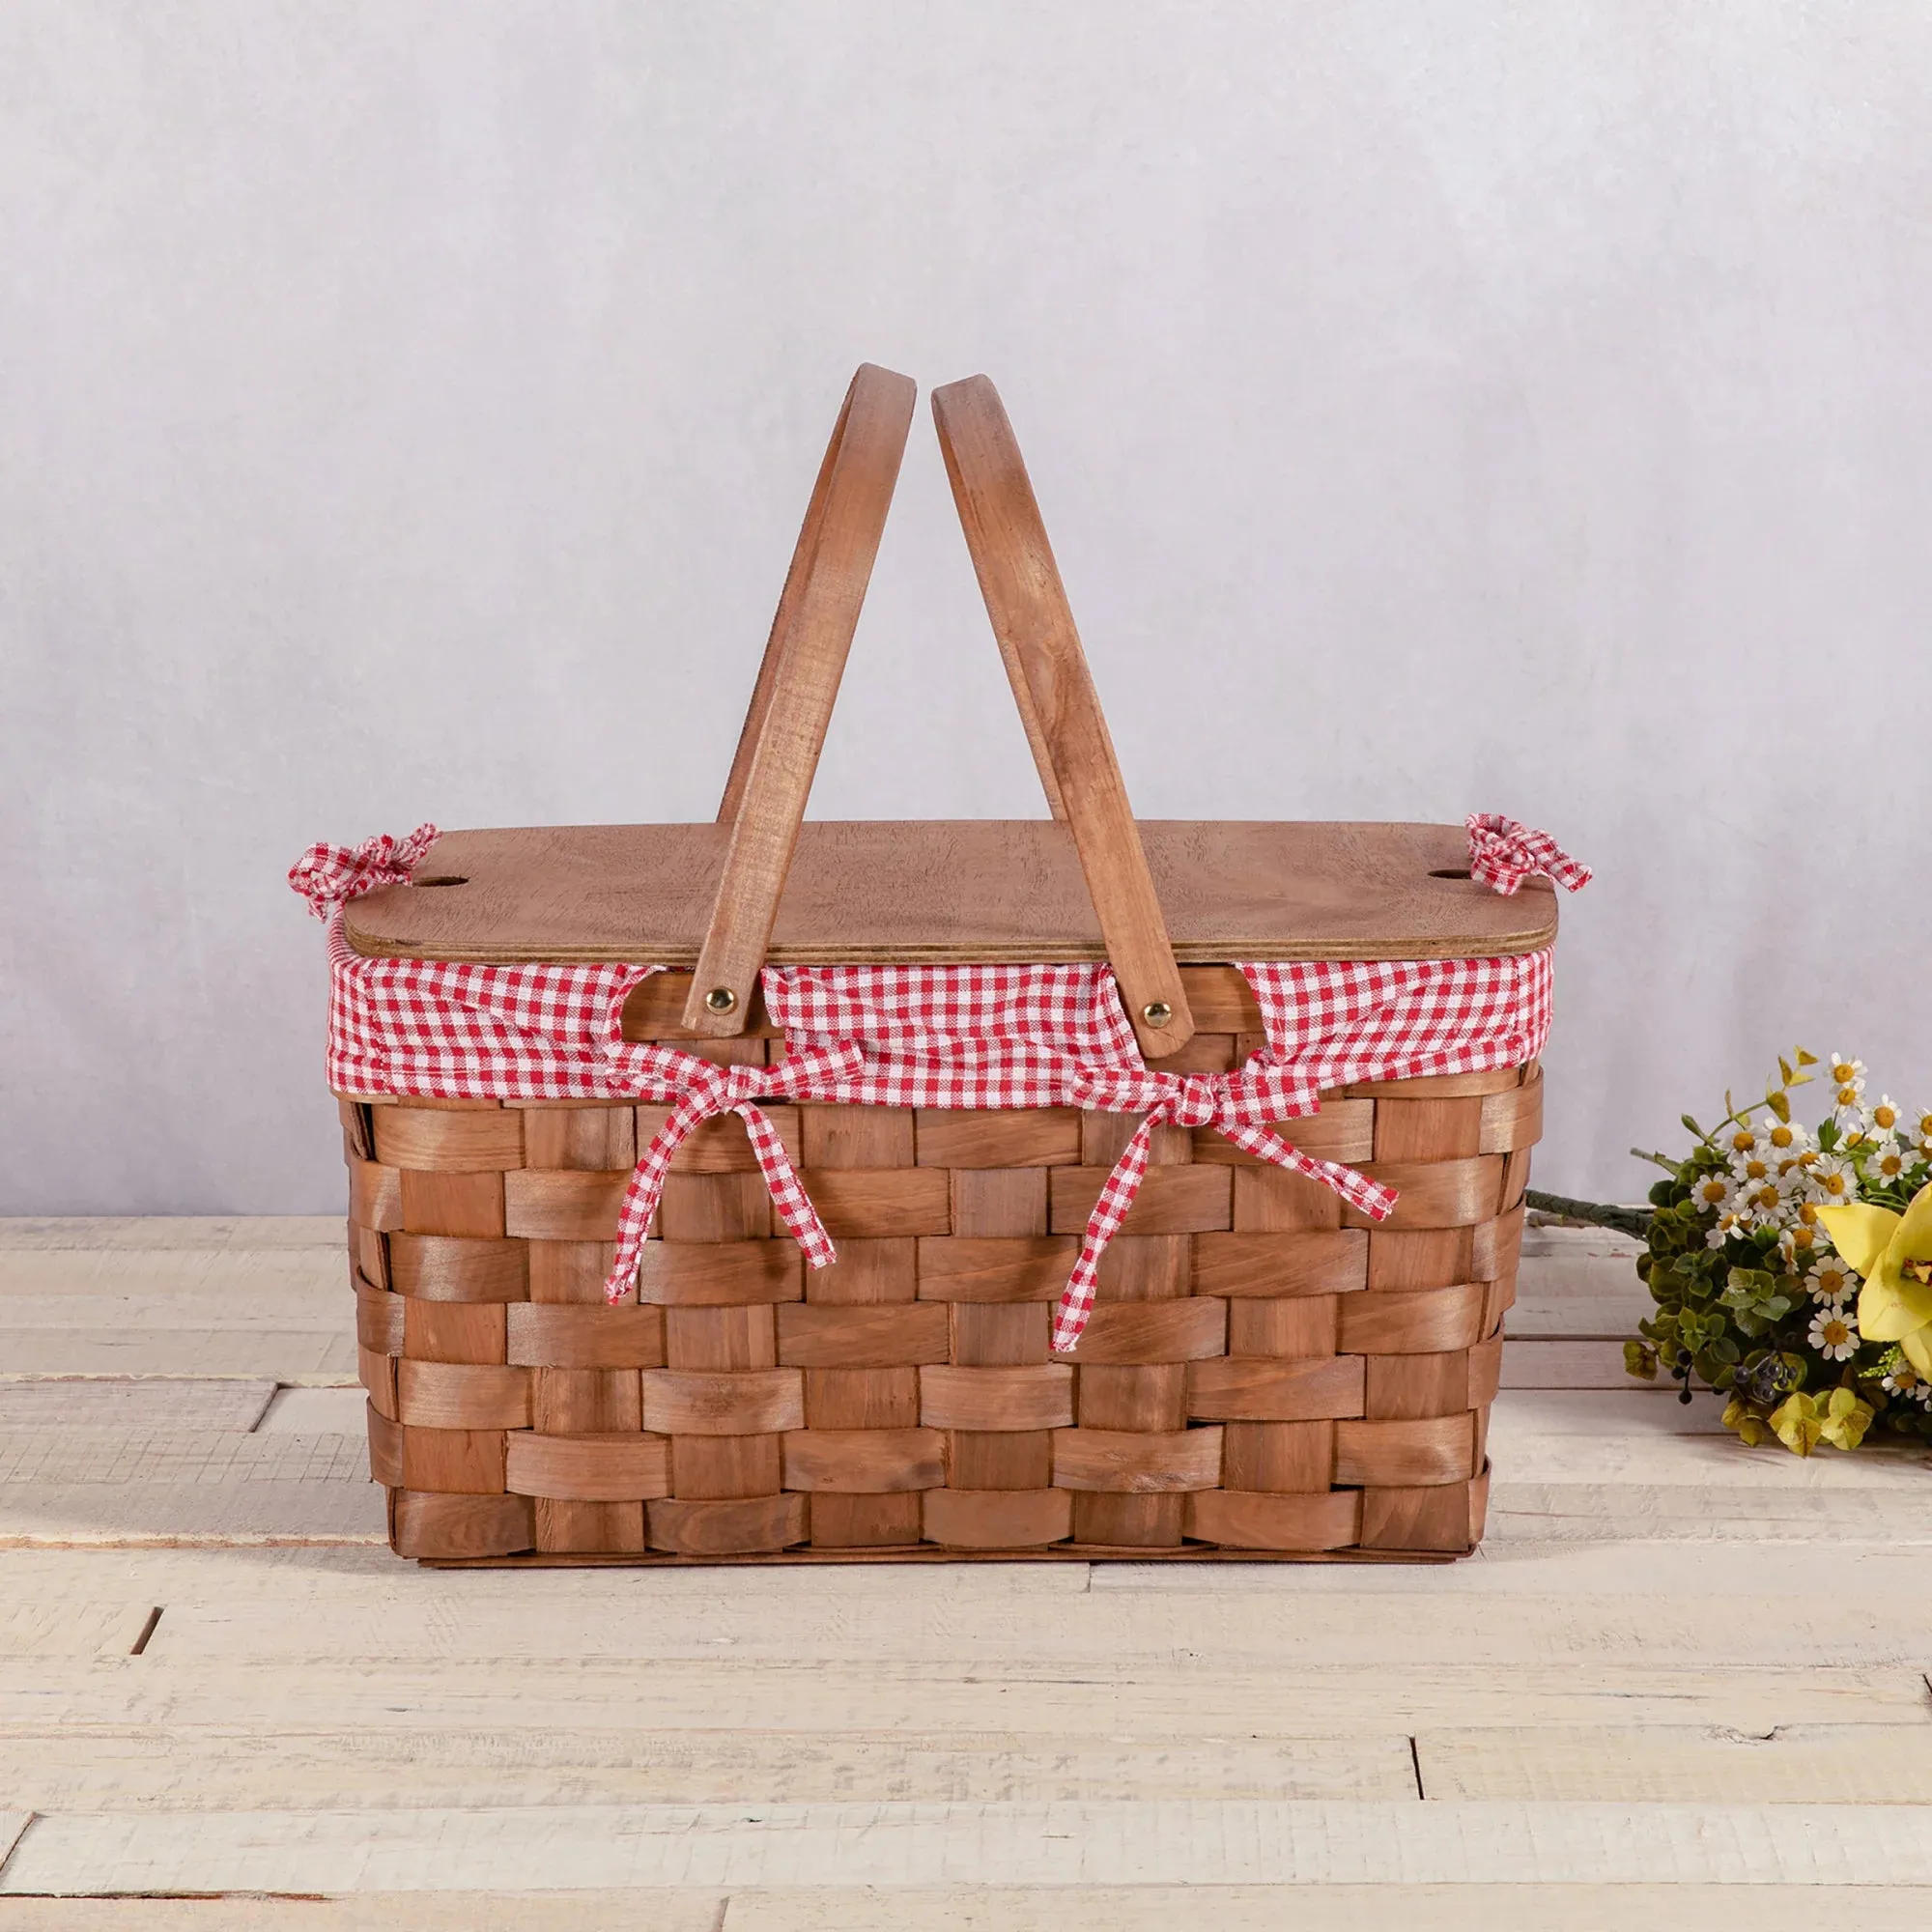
(607, 1468)
(470, 1142)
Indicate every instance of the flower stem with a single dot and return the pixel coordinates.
(1634, 1221)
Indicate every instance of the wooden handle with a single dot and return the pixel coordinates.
(791, 704)
(1034, 624)
(802, 558)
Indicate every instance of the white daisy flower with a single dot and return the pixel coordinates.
(1830, 1280)
(1886, 1117)
(1834, 1334)
(1766, 1203)
(1753, 1168)
(1742, 1139)
(1918, 1128)
(1886, 1163)
(1906, 1380)
(1847, 1078)
(1802, 1243)
(1734, 1220)
(1831, 1181)
(1713, 1191)
(1786, 1148)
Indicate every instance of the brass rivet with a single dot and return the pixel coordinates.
(721, 999)
(1156, 1012)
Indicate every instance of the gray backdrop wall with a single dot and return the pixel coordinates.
(406, 411)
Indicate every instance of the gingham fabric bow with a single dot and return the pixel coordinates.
(705, 1091)
(1236, 1105)
(1503, 854)
(328, 876)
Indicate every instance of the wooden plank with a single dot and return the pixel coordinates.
(64, 1627)
(1571, 1290)
(120, 1487)
(339, 1580)
(116, 1458)
(1547, 1237)
(1409, 1630)
(1622, 1512)
(108, 1350)
(1526, 1566)
(53, 1403)
(1712, 1461)
(333, 1768)
(1823, 1764)
(1148, 1842)
(327, 1583)
(1565, 1365)
(314, 1411)
(266, 1287)
(167, 1515)
(635, 1909)
(1031, 1697)
(941, 890)
(1221, 1908)
(1309, 1908)
(184, 1234)
(1639, 1412)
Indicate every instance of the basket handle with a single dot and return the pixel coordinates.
(798, 681)
(1047, 667)
(805, 657)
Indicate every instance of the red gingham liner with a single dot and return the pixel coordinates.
(982, 1036)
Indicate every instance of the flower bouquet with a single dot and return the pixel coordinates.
(1792, 1268)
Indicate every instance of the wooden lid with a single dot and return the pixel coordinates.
(953, 892)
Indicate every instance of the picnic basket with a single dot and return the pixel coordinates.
(1270, 1367)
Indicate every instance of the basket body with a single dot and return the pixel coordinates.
(1265, 1372)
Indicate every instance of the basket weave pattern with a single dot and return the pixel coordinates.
(1266, 1372)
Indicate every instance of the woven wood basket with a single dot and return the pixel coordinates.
(1266, 1373)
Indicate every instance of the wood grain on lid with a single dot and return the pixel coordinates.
(954, 890)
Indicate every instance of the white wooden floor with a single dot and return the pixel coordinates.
(1681, 1678)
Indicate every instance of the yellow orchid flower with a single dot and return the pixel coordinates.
(1845, 1420)
(1893, 1252)
(1749, 1428)
(1801, 1422)
(1798, 1423)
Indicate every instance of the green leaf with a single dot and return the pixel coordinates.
(1640, 1361)
(1693, 1126)
(1779, 1106)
